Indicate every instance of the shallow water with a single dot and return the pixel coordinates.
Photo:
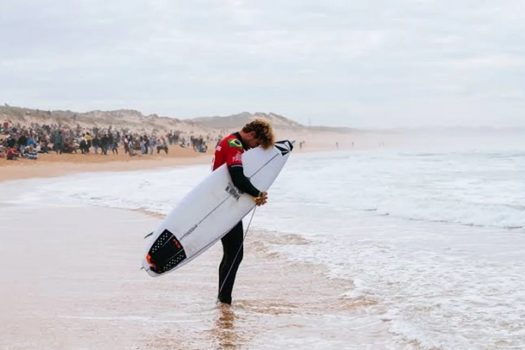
(425, 248)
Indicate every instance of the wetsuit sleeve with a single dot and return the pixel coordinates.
(241, 181)
(233, 153)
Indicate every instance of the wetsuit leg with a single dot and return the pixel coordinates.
(232, 245)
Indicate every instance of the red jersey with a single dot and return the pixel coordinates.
(229, 151)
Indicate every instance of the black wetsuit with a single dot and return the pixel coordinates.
(229, 151)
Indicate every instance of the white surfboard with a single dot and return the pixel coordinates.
(210, 210)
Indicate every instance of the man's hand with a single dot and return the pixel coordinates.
(262, 199)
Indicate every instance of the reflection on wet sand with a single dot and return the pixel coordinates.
(224, 334)
(277, 303)
(269, 306)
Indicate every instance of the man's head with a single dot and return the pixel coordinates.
(258, 132)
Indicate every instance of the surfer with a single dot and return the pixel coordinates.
(229, 151)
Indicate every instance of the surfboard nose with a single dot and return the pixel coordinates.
(284, 146)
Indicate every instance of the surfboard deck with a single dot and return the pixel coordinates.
(210, 210)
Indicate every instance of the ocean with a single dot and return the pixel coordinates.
(431, 243)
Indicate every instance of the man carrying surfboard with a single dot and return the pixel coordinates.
(229, 151)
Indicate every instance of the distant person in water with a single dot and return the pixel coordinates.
(229, 151)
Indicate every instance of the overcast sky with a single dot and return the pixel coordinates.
(361, 63)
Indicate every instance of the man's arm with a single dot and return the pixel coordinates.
(241, 181)
(236, 170)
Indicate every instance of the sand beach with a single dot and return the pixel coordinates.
(52, 164)
(72, 281)
(397, 222)
(413, 248)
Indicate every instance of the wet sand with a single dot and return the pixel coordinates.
(71, 280)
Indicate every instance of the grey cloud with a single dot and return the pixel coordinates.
(373, 63)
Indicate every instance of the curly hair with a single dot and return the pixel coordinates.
(263, 132)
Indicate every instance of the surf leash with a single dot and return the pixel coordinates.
(238, 250)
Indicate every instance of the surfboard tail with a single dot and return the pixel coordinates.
(165, 253)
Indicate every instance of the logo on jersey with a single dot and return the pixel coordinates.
(235, 143)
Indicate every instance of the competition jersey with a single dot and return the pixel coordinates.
(229, 151)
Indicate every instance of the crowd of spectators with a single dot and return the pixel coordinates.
(29, 141)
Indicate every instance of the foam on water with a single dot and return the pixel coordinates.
(435, 240)
(156, 191)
